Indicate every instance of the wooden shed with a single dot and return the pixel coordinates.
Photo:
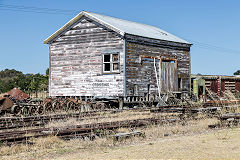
(101, 56)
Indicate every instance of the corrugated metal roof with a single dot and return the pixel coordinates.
(18, 94)
(138, 28)
(122, 27)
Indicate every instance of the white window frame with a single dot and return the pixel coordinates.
(111, 63)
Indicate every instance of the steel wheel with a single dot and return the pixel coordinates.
(48, 107)
(40, 109)
(16, 109)
(25, 110)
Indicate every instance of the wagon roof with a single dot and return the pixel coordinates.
(122, 27)
(216, 77)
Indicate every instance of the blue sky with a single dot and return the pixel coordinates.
(212, 26)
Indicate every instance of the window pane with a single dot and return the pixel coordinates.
(115, 57)
(115, 66)
(106, 66)
(107, 58)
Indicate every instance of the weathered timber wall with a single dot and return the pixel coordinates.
(76, 61)
(141, 74)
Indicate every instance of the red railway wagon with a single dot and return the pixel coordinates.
(219, 84)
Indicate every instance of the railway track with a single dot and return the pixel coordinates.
(18, 134)
(39, 123)
(17, 122)
(89, 130)
(41, 120)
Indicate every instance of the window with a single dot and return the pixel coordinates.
(111, 63)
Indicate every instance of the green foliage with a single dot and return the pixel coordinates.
(26, 82)
(47, 72)
(237, 72)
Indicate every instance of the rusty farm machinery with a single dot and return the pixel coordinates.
(19, 103)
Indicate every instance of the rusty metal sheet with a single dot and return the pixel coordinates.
(5, 103)
(18, 94)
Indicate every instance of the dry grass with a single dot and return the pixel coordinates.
(229, 95)
(190, 127)
(198, 146)
(53, 147)
(106, 117)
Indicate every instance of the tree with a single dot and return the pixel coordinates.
(27, 82)
(237, 72)
(2, 86)
(47, 72)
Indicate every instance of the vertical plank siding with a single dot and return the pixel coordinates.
(138, 72)
(76, 61)
(169, 77)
